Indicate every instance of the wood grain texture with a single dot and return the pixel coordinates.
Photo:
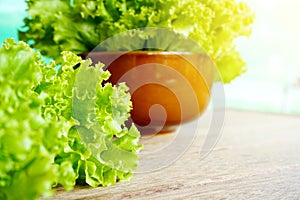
(256, 157)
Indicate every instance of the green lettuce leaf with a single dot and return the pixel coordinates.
(28, 142)
(80, 25)
(60, 128)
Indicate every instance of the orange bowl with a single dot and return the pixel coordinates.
(167, 88)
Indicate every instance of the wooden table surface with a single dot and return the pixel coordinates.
(257, 156)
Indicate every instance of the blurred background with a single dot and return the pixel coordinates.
(272, 82)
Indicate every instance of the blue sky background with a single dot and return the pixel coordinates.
(12, 13)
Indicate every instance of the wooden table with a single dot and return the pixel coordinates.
(256, 157)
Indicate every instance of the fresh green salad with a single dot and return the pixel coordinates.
(46, 138)
(80, 25)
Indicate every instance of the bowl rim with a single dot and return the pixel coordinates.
(148, 52)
